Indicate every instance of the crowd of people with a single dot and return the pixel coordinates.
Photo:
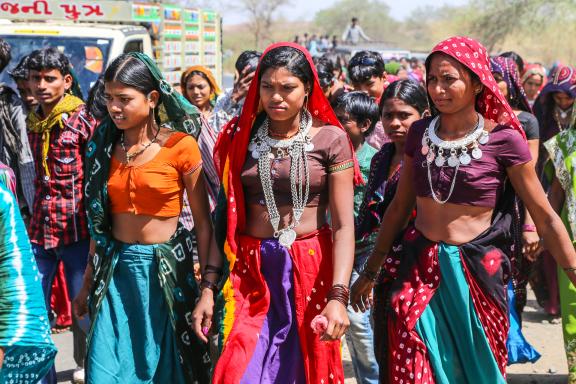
(235, 235)
(319, 44)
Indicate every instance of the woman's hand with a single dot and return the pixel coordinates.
(338, 321)
(361, 297)
(530, 245)
(202, 314)
(80, 302)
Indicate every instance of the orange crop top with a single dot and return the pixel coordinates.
(154, 188)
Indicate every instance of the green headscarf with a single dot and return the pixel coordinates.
(175, 264)
(174, 111)
(392, 67)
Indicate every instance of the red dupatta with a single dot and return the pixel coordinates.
(232, 145)
(229, 157)
(491, 103)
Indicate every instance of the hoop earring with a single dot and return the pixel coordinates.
(305, 105)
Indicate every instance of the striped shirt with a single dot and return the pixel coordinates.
(206, 143)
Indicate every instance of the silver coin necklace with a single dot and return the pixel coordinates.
(453, 153)
(262, 148)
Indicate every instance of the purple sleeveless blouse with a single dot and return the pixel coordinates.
(479, 183)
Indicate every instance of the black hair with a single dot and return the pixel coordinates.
(409, 91)
(292, 60)
(365, 64)
(247, 58)
(360, 107)
(197, 73)
(49, 58)
(20, 71)
(325, 69)
(5, 54)
(130, 71)
(516, 57)
(96, 103)
(134, 73)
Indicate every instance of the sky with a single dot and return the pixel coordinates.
(306, 9)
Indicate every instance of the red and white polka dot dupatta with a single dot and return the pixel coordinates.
(491, 103)
(408, 360)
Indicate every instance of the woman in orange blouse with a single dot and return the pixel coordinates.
(144, 301)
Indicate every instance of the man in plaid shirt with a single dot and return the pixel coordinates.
(59, 130)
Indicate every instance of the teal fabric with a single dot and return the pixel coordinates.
(364, 156)
(24, 329)
(133, 340)
(457, 345)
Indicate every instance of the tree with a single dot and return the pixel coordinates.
(373, 16)
(499, 19)
(261, 13)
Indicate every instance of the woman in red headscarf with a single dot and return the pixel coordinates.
(284, 163)
(533, 81)
(448, 317)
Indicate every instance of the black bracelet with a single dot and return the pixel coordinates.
(208, 284)
(212, 269)
(569, 269)
(368, 274)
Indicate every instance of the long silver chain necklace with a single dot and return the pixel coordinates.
(130, 156)
(436, 150)
(261, 148)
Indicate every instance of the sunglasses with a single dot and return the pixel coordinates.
(363, 60)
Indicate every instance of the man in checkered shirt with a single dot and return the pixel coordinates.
(59, 130)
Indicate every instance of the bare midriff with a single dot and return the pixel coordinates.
(454, 224)
(258, 222)
(143, 229)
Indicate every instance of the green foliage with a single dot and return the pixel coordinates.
(373, 16)
(539, 30)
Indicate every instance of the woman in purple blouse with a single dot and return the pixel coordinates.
(448, 311)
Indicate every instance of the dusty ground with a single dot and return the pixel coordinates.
(545, 336)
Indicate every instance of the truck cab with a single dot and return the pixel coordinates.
(90, 46)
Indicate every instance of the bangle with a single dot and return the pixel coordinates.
(370, 275)
(212, 269)
(569, 269)
(340, 293)
(529, 228)
(208, 284)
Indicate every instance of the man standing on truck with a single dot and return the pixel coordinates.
(59, 130)
(353, 33)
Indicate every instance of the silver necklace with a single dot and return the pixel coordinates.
(435, 150)
(296, 147)
(130, 156)
(263, 143)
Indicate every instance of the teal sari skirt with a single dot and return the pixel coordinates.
(24, 330)
(133, 340)
(457, 346)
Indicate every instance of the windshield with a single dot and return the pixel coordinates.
(87, 55)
